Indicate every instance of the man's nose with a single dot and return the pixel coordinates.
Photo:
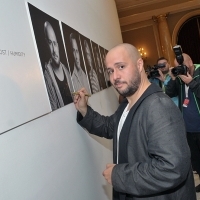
(76, 54)
(53, 47)
(116, 75)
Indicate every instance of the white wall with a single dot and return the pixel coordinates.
(50, 157)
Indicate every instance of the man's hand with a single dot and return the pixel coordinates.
(108, 172)
(171, 74)
(80, 101)
(186, 79)
(161, 77)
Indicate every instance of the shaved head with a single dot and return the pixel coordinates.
(52, 43)
(186, 57)
(186, 61)
(132, 52)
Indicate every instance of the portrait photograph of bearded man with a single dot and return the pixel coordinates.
(90, 64)
(99, 65)
(75, 58)
(52, 58)
(102, 67)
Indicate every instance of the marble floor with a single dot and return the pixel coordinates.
(197, 182)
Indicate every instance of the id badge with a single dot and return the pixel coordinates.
(186, 102)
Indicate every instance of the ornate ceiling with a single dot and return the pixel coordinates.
(132, 11)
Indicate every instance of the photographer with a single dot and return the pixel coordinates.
(164, 76)
(187, 87)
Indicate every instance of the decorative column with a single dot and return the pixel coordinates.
(165, 37)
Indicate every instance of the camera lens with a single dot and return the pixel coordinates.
(179, 70)
(175, 71)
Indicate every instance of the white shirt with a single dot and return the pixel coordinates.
(120, 125)
(80, 80)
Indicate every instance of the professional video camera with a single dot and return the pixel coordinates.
(181, 69)
(153, 72)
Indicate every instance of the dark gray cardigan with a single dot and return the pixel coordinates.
(154, 157)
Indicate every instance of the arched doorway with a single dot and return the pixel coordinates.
(189, 38)
(187, 34)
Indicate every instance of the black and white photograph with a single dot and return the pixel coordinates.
(75, 58)
(90, 64)
(52, 57)
(99, 65)
(103, 53)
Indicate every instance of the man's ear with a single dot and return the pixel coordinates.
(140, 64)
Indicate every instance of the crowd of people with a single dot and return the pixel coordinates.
(184, 89)
(155, 130)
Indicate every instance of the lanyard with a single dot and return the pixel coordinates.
(186, 91)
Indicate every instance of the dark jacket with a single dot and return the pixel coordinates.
(154, 158)
(177, 88)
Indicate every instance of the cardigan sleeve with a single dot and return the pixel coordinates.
(94, 123)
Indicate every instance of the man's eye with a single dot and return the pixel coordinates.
(110, 72)
(55, 43)
(49, 42)
(121, 66)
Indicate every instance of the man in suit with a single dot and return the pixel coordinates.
(150, 150)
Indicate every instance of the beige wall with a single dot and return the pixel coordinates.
(145, 34)
(141, 38)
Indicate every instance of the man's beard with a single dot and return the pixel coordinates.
(165, 71)
(56, 63)
(132, 87)
(56, 60)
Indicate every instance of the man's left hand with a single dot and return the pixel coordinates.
(186, 79)
(108, 172)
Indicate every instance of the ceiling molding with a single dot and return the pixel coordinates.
(148, 15)
(126, 5)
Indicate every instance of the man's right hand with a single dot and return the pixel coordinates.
(171, 74)
(80, 101)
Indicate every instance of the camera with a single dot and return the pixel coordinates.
(153, 72)
(180, 69)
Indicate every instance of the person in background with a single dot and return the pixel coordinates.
(165, 76)
(187, 87)
(56, 75)
(150, 150)
(79, 78)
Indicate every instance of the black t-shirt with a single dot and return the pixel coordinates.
(64, 89)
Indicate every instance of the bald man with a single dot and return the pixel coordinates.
(150, 150)
(187, 87)
(57, 77)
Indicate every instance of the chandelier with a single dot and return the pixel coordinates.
(142, 53)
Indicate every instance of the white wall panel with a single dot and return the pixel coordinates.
(50, 157)
(22, 89)
(54, 158)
